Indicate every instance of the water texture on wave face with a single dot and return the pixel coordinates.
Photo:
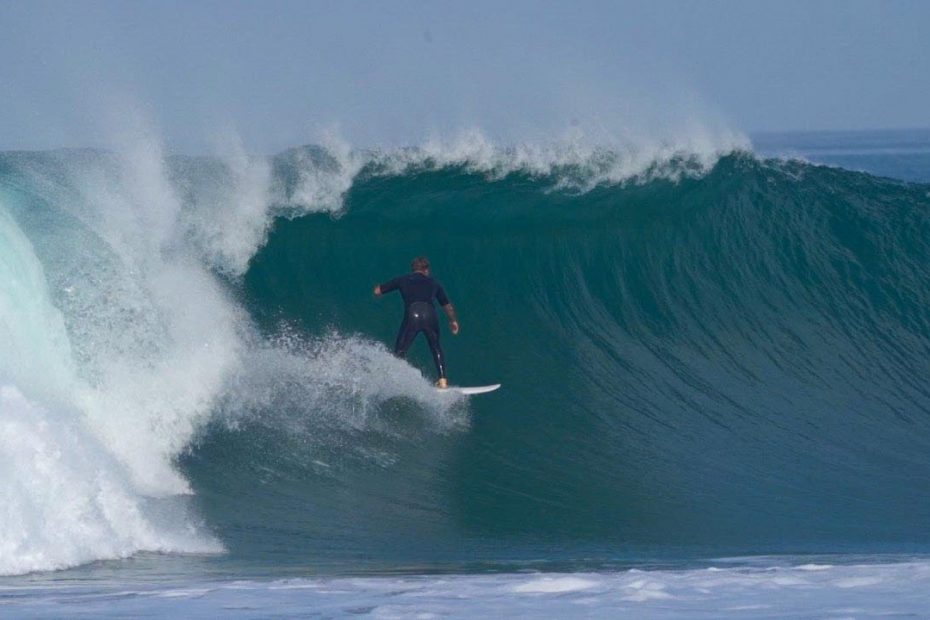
(703, 353)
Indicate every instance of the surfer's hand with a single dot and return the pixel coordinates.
(454, 326)
(377, 291)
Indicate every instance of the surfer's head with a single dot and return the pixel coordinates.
(421, 264)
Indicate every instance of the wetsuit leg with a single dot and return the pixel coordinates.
(408, 331)
(432, 337)
(421, 317)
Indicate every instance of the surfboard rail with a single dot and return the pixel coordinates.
(470, 390)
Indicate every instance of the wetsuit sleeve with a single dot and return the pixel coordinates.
(441, 296)
(390, 285)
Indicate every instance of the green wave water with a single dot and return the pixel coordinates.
(732, 362)
(701, 357)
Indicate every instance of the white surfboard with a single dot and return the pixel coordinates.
(480, 389)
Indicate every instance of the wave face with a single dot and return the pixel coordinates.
(700, 354)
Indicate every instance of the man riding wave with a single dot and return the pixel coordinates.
(419, 290)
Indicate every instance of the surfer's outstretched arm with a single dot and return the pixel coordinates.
(387, 287)
(453, 319)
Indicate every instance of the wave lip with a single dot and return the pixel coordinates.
(233, 200)
(573, 163)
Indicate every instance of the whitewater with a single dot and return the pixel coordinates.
(712, 355)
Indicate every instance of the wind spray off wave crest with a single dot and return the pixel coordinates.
(154, 332)
(574, 162)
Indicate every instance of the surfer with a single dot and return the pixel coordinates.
(419, 290)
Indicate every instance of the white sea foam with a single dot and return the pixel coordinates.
(66, 498)
(65, 501)
(550, 585)
(779, 591)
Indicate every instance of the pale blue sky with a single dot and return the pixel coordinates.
(395, 72)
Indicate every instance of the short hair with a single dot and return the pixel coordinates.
(420, 263)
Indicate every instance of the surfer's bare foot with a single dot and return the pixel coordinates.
(442, 384)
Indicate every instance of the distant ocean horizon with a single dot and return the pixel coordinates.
(896, 153)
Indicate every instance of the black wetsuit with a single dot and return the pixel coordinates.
(419, 291)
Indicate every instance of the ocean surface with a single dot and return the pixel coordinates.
(714, 359)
